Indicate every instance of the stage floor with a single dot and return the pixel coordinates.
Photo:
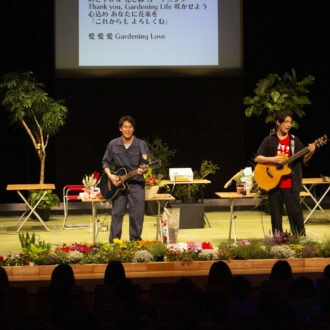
(249, 223)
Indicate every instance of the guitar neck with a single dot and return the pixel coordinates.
(128, 175)
(295, 156)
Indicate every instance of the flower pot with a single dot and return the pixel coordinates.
(43, 213)
(190, 200)
(151, 191)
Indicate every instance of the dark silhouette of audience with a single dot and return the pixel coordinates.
(281, 271)
(14, 311)
(280, 278)
(4, 285)
(274, 312)
(326, 272)
(217, 294)
(62, 304)
(118, 303)
(184, 309)
(219, 277)
(228, 302)
(114, 272)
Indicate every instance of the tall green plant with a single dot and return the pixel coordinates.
(27, 103)
(160, 150)
(275, 93)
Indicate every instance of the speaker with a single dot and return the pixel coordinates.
(191, 215)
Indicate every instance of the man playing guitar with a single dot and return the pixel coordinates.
(273, 151)
(132, 154)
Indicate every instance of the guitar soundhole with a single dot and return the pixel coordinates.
(279, 166)
(269, 173)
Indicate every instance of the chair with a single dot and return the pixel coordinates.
(71, 194)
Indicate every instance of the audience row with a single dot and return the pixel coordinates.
(227, 302)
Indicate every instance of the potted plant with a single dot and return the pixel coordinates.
(48, 201)
(189, 193)
(275, 93)
(160, 151)
(30, 107)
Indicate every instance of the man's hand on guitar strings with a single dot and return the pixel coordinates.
(116, 181)
(142, 169)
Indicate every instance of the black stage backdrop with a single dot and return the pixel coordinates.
(200, 117)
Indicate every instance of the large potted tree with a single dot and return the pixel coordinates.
(30, 107)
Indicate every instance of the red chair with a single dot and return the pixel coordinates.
(71, 194)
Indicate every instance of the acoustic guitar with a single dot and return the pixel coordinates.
(268, 175)
(110, 191)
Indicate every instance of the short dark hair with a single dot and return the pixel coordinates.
(282, 114)
(128, 118)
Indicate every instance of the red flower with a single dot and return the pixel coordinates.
(207, 246)
(151, 181)
(96, 176)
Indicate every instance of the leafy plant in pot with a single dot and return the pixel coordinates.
(159, 150)
(41, 116)
(48, 201)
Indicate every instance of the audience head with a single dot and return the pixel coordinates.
(4, 281)
(62, 276)
(184, 289)
(302, 287)
(114, 272)
(240, 287)
(326, 271)
(281, 271)
(219, 272)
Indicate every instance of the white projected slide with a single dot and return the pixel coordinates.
(149, 33)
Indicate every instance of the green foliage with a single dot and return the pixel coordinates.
(325, 249)
(26, 240)
(275, 93)
(34, 251)
(28, 105)
(243, 250)
(159, 150)
(158, 250)
(47, 202)
(26, 101)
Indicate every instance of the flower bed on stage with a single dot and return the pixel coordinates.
(279, 246)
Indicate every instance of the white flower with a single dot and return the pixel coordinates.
(143, 256)
(282, 251)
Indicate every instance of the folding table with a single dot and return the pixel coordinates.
(160, 198)
(309, 184)
(31, 209)
(232, 196)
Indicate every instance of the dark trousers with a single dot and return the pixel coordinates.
(132, 198)
(291, 200)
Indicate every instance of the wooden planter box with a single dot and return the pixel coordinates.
(168, 269)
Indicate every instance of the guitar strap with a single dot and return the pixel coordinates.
(292, 144)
